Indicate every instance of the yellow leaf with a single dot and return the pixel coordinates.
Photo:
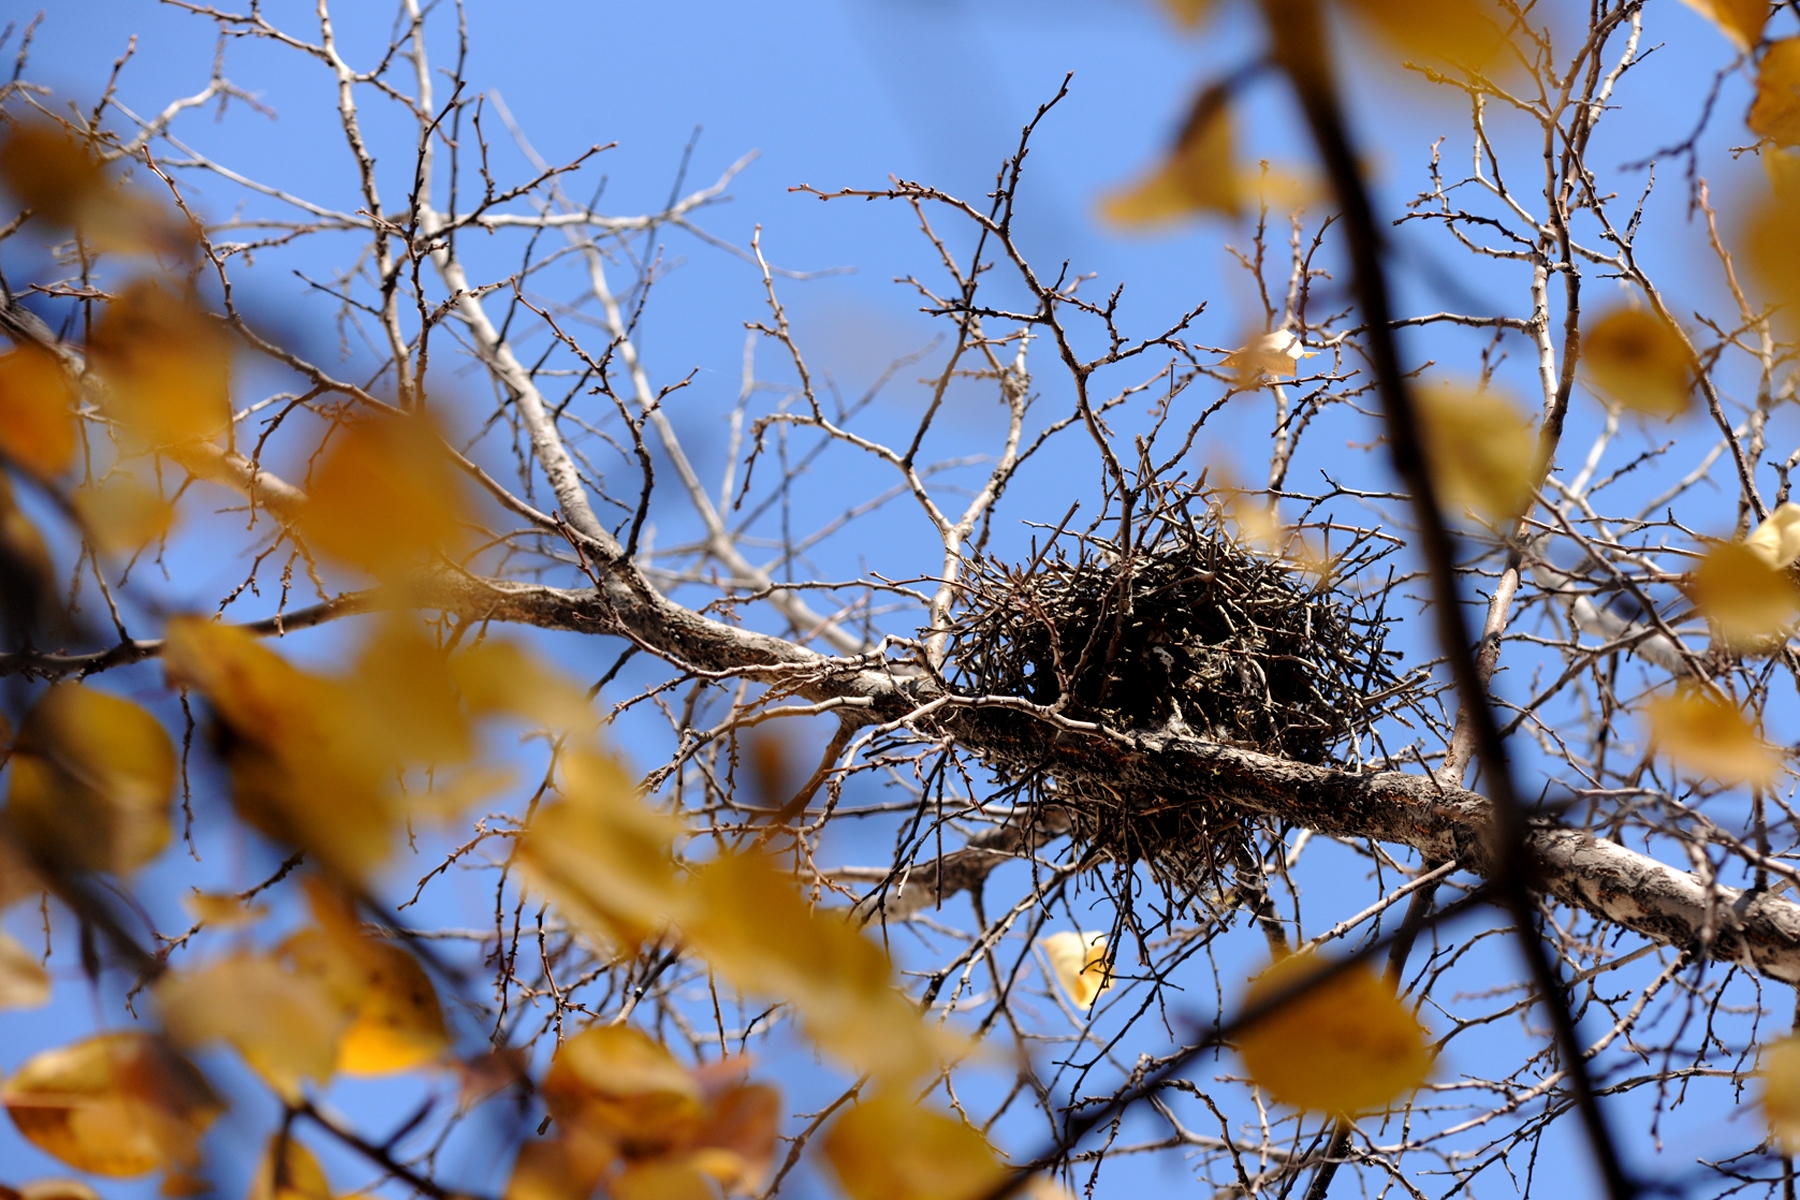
(1748, 600)
(1775, 113)
(1770, 239)
(37, 411)
(616, 1084)
(1480, 448)
(1200, 175)
(119, 1104)
(1740, 20)
(1275, 354)
(123, 513)
(221, 909)
(1468, 33)
(1777, 540)
(288, 1171)
(56, 1189)
(1780, 1099)
(601, 855)
(752, 927)
(58, 176)
(396, 1023)
(284, 1023)
(502, 677)
(23, 981)
(1078, 964)
(735, 1144)
(92, 778)
(1188, 12)
(658, 1180)
(1710, 737)
(166, 364)
(299, 775)
(1639, 360)
(889, 1148)
(408, 706)
(1346, 1046)
(566, 1167)
(386, 496)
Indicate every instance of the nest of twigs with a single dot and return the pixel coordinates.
(1188, 630)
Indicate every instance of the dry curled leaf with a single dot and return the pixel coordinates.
(1276, 354)
(166, 363)
(1078, 964)
(1480, 448)
(120, 1104)
(1637, 359)
(37, 411)
(1347, 1045)
(1747, 600)
(889, 1147)
(92, 778)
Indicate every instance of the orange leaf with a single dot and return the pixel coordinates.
(167, 366)
(1468, 33)
(1740, 20)
(1775, 112)
(37, 411)
(387, 496)
(1348, 1045)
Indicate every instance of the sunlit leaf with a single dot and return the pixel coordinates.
(56, 1189)
(37, 411)
(285, 1024)
(1480, 448)
(408, 706)
(890, 1148)
(623, 1088)
(660, 1180)
(566, 1167)
(222, 909)
(1777, 540)
(1637, 359)
(298, 775)
(92, 778)
(23, 981)
(288, 1171)
(1468, 33)
(1775, 113)
(1078, 964)
(735, 1144)
(395, 1020)
(1740, 20)
(602, 855)
(166, 364)
(748, 922)
(386, 496)
(1276, 354)
(1200, 175)
(1188, 12)
(1748, 600)
(504, 678)
(1779, 1069)
(1710, 737)
(123, 513)
(1347, 1046)
(1770, 238)
(58, 176)
(119, 1104)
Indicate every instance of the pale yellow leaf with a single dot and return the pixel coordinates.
(1779, 1069)
(166, 364)
(284, 1023)
(386, 497)
(1747, 600)
(120, 1104)
(288, 1171)
(1769, 244)
(1348, 1045)
(37, 411)
(92, 778)
(1710, 737)
(1740, 20)
(57, 1189)
(122, 513)
(602, 855)
(890, 1148)
(1637, 359)
(1078, 964)
(222, 909)
(1775, 113)
(1276, 354)
(1777, 540)
(23, 981)
(1480, 448)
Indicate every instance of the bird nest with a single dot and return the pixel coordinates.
(1188, 631)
